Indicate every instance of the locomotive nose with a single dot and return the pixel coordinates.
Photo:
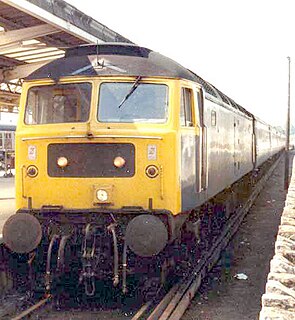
(146, 235)
(22, 233)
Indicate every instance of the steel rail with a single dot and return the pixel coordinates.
(33, 308)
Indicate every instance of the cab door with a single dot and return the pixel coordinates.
(193, 179)
(201, 140)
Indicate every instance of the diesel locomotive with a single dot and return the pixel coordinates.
(117, 147)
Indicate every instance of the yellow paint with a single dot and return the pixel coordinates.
(78, 193)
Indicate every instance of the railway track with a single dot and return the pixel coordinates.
(177, 300)
(33, 308)
(173, 305)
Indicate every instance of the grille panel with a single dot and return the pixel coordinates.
(89, 160)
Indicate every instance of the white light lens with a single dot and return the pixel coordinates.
(62, 162)
(102, 195)
(119, 162)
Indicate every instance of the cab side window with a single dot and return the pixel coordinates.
(186, 116)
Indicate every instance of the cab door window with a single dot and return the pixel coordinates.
(186, 114)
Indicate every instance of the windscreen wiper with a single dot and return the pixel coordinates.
(132, 89)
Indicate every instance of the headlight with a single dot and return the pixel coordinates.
(102, 195)
(119, 162)
(62, 162)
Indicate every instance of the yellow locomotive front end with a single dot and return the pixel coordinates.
(93, 164)
(78, 149)
(99, 165)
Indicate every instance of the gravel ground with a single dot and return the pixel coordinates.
(7, 199)
(224, 297)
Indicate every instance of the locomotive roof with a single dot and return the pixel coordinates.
(112, 59)
(123, 59)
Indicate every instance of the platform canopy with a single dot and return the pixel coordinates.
(34, 32)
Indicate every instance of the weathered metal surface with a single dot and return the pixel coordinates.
(22, 233)
(124, 59)
(140, 235)
(67, 12)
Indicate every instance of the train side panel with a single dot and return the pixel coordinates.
(277, 141)
(222, 151)
(229, 147)
(220, 147)
(263, 142)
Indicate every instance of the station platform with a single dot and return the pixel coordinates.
(7, 199)
(278, 301)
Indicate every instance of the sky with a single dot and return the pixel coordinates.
(240, 46)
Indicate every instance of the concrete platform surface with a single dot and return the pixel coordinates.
(7, 199)
(278, 301)
(7, 190)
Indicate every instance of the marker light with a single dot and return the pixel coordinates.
(62, 162)
(152, 171)
(32, 171)
(102, 195)
(119, 162)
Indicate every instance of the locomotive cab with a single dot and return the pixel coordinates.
(98, 166)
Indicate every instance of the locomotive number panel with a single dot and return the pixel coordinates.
(90, 160)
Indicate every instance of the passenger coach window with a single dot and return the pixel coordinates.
(121, 102)
(186, 117)
(59, 103)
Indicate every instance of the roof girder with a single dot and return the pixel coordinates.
(53, 26)
(15, 36)
(20, 71)
(52, 19)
